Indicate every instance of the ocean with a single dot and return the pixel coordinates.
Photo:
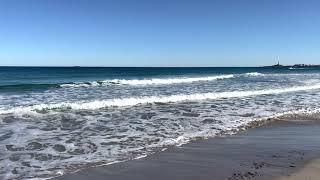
(57, 120)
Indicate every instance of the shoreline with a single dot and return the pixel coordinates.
(273, 150)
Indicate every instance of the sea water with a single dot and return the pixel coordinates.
(56, 120)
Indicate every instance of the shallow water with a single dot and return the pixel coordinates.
(57, 120)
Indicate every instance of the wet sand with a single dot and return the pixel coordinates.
(272, 151)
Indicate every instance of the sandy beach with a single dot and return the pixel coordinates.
(159, 90)
(311, 171)
(281, 150)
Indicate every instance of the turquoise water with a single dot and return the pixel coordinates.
(33, 78)
(55, 120)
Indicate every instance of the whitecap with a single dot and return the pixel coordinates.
(254, 74)
(159, 81)
(143, 82)
(132, 101)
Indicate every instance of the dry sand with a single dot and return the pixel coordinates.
(311, 171)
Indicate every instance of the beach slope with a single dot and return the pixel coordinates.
(274, 150)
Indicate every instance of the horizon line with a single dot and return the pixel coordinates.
(75, 66)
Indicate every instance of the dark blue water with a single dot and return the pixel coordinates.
(32, 78)
(54, 120)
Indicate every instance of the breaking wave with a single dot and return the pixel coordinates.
(130, 82)
(141, 82)
(254, 74)
(98, 104)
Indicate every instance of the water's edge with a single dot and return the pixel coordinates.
(281, 120)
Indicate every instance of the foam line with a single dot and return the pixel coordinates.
(142, 82)
(152, 99)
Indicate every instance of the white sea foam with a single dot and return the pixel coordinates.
(161, 81)
(167, 81)
(95, 137)
(152, 99)
(254, 74)
(292, 68)
(142, 82)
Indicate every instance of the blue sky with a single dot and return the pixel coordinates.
(159, 32)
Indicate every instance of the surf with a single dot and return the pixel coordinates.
(153, 81)
(132, 101)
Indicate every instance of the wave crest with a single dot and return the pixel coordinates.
(254, 74)
(142, 82)
(168, 81)
(98, 104)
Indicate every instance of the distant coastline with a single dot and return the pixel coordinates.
(295, 66)
(186, 67)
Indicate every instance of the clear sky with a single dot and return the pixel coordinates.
(159, 32)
